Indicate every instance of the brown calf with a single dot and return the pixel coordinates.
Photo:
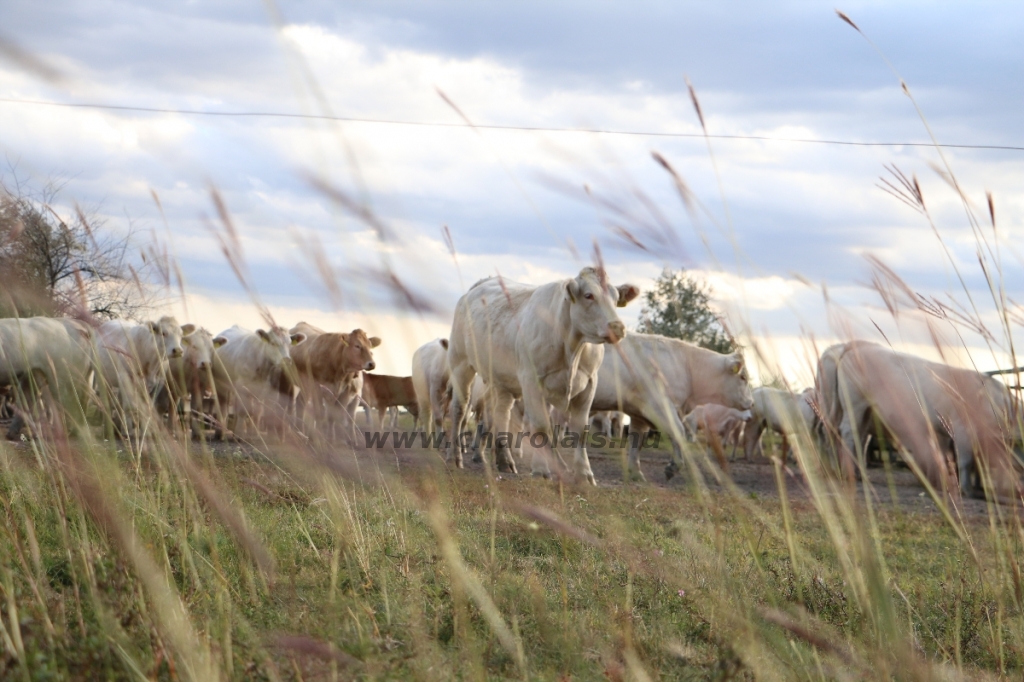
(381, 391)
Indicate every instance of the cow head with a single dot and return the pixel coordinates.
(734, 390)
(592, 302)
(358, 351)
(199, 347)
(167, 336)
(275, 356)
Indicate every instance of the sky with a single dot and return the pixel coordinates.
(330, 213)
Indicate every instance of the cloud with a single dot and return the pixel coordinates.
(770, 213)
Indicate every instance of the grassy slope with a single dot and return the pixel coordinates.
(671, 588)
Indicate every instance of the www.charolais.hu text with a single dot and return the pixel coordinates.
(440, 440)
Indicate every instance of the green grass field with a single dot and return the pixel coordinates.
(244, 567)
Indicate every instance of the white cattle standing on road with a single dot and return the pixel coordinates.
(190, 377)
(430, 380)
(786, 413)
(543, 343)
(131, 352)
(133, 363)
(254, 366)
(935, 412)
(652, 378)
(40, 354)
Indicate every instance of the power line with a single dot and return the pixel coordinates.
(536, 129)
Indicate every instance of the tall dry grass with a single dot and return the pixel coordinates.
(291, 554)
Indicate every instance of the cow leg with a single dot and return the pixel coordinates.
(639, 427)
(578, 414)
(734, 438)
(537, 421)
(967, 465)
(478, 445)
(461, 379)
(847, 450)
(714, 439)
(752, 438)
(497, 414)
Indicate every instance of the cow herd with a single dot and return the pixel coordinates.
(527, 360)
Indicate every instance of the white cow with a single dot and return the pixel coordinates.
(786, 413)
(40, 355)
(544, 344)
(653, 378)
(190, 377)
(254, 368)
(133, 363)
(430, 380)
(936, 413)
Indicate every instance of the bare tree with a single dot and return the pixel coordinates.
(51, 265)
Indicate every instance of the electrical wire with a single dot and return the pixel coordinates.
(538, 129)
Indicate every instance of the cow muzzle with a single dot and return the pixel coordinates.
(177, 353)
(616, 332)
(370, 366)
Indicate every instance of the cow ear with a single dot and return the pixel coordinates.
(572, 290)
(263, 335)
(374, 341)
(154, 327)
(627, 292)
(219, 341)
(187, 329)
(186, 340)
(736, 364)
(298, 338)
(444, 343)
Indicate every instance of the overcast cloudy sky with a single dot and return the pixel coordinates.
(784, 218)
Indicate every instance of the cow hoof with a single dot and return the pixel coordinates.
(637, 476)
(589, 478)
(507, 467)
(477, 459)
(671, 469)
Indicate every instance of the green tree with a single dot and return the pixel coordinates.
(679, 306)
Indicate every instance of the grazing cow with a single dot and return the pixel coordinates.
(721, 425)
(430, 380)
(190, 377)
(788, 414)
(652, 378)
(944, 418)
(253, 368)
(381, 391)
(544, 344)
(330, 366)
(133, 363)
(42, 355)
